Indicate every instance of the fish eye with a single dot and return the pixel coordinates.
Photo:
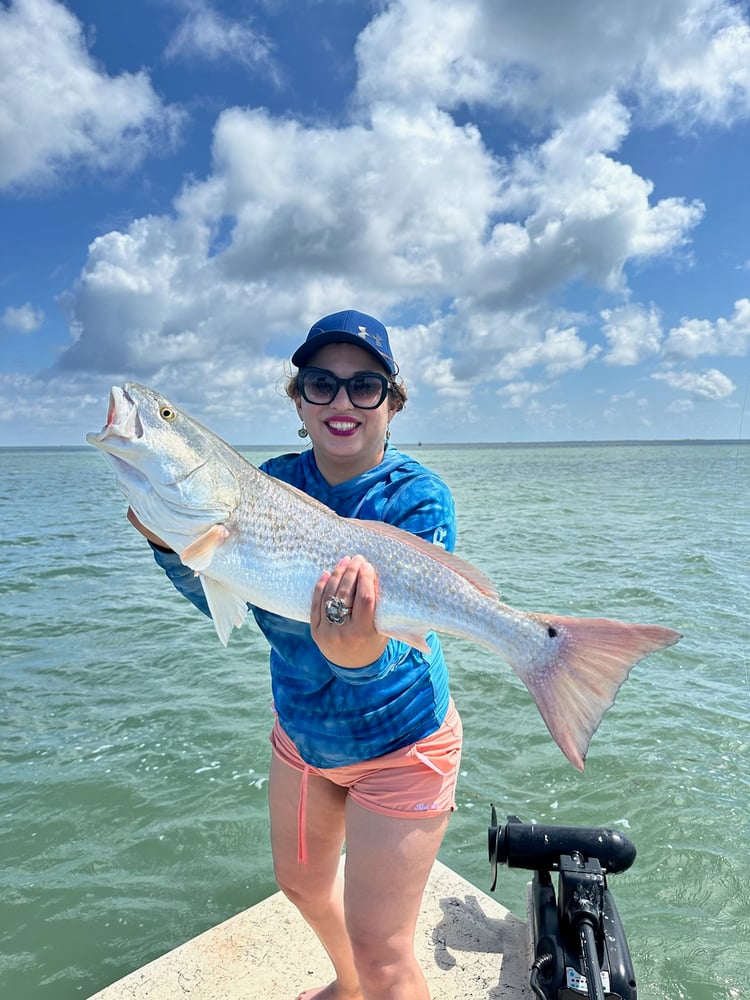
(167, 413)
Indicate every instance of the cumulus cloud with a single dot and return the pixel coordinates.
(694, 337)
(558, 351)
(404, 211)
(23, 319)
(701, 71)
(679, 60)
(584, 214)
(307, 228)
(60, 110)
(413, 209)
(710, 384)
(441, 377)
(634, 334)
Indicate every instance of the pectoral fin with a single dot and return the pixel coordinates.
(198, 554)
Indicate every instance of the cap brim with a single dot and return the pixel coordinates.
(305, 351)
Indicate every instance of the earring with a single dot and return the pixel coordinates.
(303, 431)
(387, 433)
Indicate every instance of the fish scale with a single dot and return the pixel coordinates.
(255, 540)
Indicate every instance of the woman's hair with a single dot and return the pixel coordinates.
(396, 389)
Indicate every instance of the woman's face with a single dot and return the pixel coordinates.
(347, 441)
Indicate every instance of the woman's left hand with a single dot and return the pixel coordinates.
(355, 643)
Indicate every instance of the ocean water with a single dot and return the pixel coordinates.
(134, 748)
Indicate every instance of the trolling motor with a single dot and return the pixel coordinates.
(577, 940)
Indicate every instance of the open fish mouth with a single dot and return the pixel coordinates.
(123, 420)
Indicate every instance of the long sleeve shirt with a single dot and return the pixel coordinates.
(337, 715)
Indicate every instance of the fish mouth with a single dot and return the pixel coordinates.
(123, 421)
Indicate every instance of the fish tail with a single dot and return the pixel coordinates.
(578, 675)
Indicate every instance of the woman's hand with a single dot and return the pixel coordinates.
(356, 643)
(146, 532)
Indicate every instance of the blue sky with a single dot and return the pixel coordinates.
(547, 203)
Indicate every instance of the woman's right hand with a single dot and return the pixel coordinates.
(146, 532)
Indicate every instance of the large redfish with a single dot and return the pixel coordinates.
(253, 539)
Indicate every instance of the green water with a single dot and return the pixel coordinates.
(134, 748)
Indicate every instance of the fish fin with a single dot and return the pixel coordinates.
(412, 637)
(586, 662)
(228, 609)
(465, 569)
(198, 554)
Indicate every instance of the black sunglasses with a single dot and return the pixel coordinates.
(366, 390)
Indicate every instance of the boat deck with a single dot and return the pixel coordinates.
(469, 945)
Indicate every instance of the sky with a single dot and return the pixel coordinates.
(547, 203)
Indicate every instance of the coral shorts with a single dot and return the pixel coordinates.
(414, 782)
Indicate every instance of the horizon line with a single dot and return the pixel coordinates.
(563, 443)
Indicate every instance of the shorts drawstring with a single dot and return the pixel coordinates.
(426, 760)
(301, 818)
(418, 780)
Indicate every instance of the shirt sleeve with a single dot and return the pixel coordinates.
(424, 506)
(184, 579)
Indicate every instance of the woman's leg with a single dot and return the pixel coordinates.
(315, 887)
(388, 862)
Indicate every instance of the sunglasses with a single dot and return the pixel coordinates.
(366, 390)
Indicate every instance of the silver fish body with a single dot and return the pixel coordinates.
(253, 539)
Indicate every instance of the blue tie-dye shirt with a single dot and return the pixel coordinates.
(337, 715)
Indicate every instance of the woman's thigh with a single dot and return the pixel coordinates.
(304, 820)
(388, 862)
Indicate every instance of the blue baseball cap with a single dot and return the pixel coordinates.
(348, 327)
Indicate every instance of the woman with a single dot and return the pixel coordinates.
(366, 745)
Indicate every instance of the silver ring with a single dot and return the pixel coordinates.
(336, 611)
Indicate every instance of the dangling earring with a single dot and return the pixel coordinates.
(303, 431)
(387, 433)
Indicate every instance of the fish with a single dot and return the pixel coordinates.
(254, 540)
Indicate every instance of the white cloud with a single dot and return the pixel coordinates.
(403, 209)
(701, 71)
(23, 319)
(60, 110)
(381, 220)
(406, 210)
(634, 334)
(681, 406)
(694, 337)
(518, 394)
(424, 52)
(38, 403)
(582, 214)
(441, 377)
(557, 352)
(710, 384)
(681, 60)
(204, 33)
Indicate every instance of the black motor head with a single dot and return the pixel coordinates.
(539, 848)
